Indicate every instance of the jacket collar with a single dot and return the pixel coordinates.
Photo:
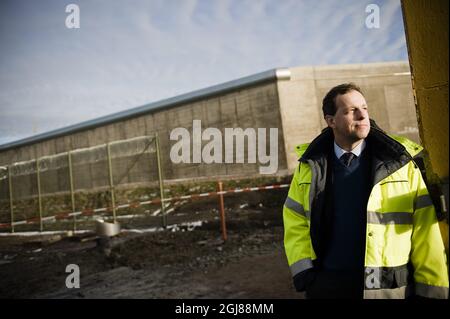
(387, 154)
(387, 148)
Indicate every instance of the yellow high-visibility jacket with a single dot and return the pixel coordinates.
(404, 251)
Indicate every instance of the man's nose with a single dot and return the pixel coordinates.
(361, 114)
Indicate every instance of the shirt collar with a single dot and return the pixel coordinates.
(357, 150)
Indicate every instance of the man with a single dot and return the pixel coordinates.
(359, 222)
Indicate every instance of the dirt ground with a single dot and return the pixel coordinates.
(179, 262)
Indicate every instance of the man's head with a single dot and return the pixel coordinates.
(345, 111)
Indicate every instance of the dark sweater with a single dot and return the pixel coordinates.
(350, 189)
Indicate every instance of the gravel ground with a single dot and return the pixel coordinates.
(183, 262)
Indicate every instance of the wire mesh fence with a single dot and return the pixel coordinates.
(77, 180)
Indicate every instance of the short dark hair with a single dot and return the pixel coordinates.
(328, 103)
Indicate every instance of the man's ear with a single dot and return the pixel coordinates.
(330, 120)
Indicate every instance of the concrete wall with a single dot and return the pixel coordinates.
(255, 107)
(252, 107)
(386, 86)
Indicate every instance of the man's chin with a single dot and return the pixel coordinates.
(362, 131)
(361, 135)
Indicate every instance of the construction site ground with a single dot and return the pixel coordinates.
(183, 261)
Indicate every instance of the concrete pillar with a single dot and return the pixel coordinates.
(300, 116)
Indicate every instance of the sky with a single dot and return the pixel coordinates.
(126, 54)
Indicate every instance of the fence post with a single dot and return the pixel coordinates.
(41, 226)
(222, 213)
(111, 182)
(160, 177)
(11, 207)
(72, 195)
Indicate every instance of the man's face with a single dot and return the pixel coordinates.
(351, 121)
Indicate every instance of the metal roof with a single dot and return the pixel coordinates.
(270, 75)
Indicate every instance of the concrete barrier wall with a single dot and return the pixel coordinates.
(252, 107)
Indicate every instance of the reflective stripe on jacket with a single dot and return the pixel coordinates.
(404, 251)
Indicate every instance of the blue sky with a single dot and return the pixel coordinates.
(129, 53)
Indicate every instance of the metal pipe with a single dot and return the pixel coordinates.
(111, 182)
(41, 226)
(72, 194)
(160, 177)
(222, 213)
(11, 207)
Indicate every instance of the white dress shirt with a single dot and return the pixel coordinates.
(357, 150)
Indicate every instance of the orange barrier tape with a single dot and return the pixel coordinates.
(90, 211)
